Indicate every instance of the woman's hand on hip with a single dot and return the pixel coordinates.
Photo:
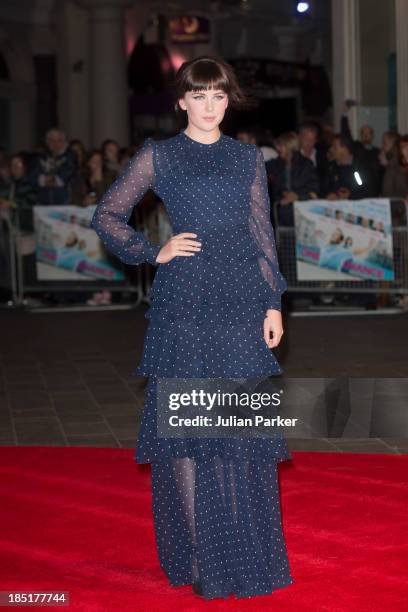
(273, 324)
(180, 244)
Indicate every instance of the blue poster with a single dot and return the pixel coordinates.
(344, 240)
(67, 248)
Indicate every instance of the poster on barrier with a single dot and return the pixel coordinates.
(67, 248)
(344, 240)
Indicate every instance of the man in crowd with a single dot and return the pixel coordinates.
(312, 149)
(54, 169)
(363, 148)
(347, 176)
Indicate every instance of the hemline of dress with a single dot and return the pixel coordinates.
(275, 585)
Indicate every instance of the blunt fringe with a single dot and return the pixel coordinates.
(210, 72)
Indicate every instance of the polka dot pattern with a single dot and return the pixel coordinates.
(215, 500)
(218, 522)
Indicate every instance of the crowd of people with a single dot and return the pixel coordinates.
(60, 173)
(317, 162)
(312, 162)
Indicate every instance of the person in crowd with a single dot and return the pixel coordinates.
(326, 137)
(110, 155)
(253, 135)
(54, 169)
(370, 151)
(394, 161)
(96, 180)
(77, 146)
(389, 151)
(363, 149)
(18, 194)
(125, 154)
(347, 176)
(93, 183)
(81, 171)
(313, 148)
(291, 177)
(395, 181)
(247, 135)
(267, 144)
(4, 171)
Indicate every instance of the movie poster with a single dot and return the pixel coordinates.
(344, 240)
(67, 248)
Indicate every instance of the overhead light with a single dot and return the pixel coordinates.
(302, 7)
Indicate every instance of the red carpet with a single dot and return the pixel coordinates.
(79, 520)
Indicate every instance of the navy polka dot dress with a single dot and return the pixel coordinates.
(216, 504)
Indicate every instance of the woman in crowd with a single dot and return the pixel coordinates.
(110, 153)
(96, 179)
(395, 182)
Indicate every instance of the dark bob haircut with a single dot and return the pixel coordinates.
(210, 72)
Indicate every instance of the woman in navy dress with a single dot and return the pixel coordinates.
(215, 302)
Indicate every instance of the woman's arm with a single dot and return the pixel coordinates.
(116, 205)
(262, 231)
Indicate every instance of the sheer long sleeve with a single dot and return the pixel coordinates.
(262, 231)
(116, 205)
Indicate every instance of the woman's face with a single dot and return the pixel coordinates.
(404, 149)
(95, 162)
(112, 152)
(78, 150)
(17, 167)
(387, 142)
(205, 108)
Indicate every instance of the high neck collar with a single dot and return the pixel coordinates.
(202, 145)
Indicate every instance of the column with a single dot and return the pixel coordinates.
(73, 71)
(401, 35)
(346, 59)
(109, 106)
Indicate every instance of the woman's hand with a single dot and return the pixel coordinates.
(180, 244)
(273, 323)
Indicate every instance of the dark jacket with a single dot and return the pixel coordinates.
(302, 179)
(344, 176)
(321, 160)
(25, 196)
(395, 182)
(369, 156)
(62, 167)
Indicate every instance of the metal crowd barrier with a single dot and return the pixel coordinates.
(286, 247)
(18, 272)
(8, 265)
(17, 247)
